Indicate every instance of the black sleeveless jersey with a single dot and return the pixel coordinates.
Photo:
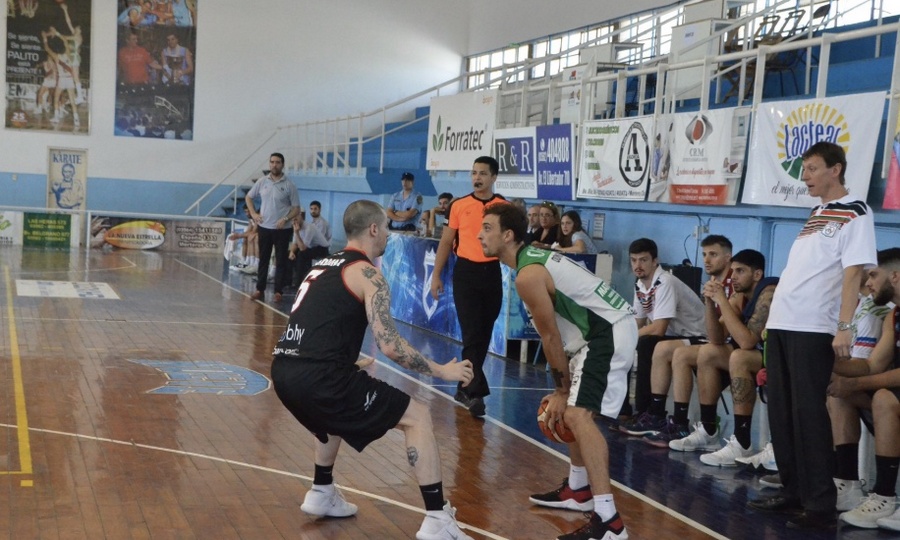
(327, 322)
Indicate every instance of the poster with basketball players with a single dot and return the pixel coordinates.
(155, 67)
(48, 70)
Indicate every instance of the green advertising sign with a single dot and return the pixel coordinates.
(47, 230)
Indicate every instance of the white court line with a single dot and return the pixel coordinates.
(220, 282)
(680, 517)
(247, 465)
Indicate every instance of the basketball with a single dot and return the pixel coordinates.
(560, 434)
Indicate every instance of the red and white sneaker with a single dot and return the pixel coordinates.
(567, 498)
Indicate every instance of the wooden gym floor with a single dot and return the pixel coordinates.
(135, 403)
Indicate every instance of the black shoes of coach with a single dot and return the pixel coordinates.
(778, 504)
(474, 404)
(813, 521)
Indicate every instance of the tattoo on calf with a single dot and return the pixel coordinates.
(412, 455)
(742, 390)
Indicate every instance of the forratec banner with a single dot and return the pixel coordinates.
(616, 158)
(460, 129)
(556, 162)
(784, 130)
(514, 150)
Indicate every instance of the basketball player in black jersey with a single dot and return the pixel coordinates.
(316, 376)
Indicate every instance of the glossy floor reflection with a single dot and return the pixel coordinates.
(150, 416)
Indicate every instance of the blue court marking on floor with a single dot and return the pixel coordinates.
(206, 377)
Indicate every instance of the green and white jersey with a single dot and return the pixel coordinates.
(585, 305)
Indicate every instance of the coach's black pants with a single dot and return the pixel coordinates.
(280, 240)
(798, 368)
(478, 295)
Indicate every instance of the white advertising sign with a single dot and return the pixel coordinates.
(616, 158)
(460, 129)
(514, 150)
(784, 130)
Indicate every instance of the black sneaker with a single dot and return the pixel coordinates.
(566, 498)
(813, 521)
(644, 424)
(475, 405)
(613, 529)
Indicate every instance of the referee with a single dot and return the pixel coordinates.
(477, 283)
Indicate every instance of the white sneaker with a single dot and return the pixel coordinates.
(327, 501)
(698, 440)
(870, 511)
(441, 525)
(891, 522)
(771, 481)
(764, 459)
(250, 269)
(849, 494)
(725, 456)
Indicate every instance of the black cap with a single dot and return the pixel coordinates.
(408, 176)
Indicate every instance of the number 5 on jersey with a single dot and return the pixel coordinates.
(301, 292)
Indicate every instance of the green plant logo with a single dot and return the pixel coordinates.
(437, 139)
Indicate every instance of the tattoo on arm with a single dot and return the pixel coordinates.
(742, 390)
(378, 310)
(412, 456)
(757, 321)
(558, 377)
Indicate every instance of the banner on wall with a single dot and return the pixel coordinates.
(66, 178)
(556, 162)
(892, 191)
(616, 158)
(514, 150)
(10, 228)
(460, 129)
(699, 157)
(46, 230)
(48, 74)
(161, 235)
(155, 67)
(784, 130)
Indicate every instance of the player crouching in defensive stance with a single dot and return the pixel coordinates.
(589, 336)
(316, 377)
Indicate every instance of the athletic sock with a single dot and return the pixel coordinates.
(708, 417)
(433, 495)
(742, 429)
(324, 475)
(604, 506)
(886, 475)
(681, 414)
(846, 458)
(657, 404)
(578, 477)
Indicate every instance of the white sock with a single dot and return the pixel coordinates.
(604, 506)
(578, 477)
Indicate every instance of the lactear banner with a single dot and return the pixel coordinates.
(460, 129)
(48, 65)
(892, 191)
(616, 158)
(514, 150)
(784, 130)
(699, 157)
(556, 162)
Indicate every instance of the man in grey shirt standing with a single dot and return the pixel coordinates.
(280, 203)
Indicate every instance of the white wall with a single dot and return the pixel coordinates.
(497, 23)
(259, 65)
